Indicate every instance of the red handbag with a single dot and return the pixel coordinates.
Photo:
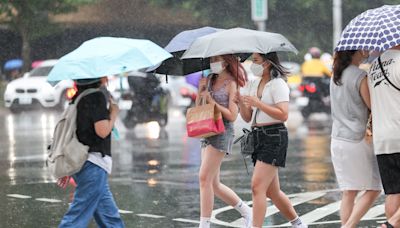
(204, 121)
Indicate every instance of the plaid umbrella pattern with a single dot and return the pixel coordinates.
(375, 30)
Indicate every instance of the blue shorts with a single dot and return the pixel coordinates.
(222, 142)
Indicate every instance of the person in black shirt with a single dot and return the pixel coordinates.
(92, 196)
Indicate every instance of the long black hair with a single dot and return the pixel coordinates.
(341, 61)
(276, 70)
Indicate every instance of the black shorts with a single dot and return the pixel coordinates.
(271, 143)
(389, 168)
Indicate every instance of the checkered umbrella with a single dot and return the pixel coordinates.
(375, 30)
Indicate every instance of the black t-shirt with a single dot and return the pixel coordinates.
(91, 109)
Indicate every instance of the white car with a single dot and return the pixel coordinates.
(33, 89)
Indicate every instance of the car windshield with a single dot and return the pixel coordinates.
(41, 71)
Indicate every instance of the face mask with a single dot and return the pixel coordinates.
(257, 69)
(216, 67)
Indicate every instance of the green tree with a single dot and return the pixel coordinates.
(31, 19)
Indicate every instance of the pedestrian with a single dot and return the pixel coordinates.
(266, 104)
(220, 89)
(353, 158)
(92, 197)
(385, 106)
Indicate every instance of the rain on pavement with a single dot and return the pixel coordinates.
(154, 179)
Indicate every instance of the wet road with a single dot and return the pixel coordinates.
(154, 179)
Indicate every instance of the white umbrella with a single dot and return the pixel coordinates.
(238, 40)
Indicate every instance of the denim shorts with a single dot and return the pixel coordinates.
(271, 143)
(222, 142)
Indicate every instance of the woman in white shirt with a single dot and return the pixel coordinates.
(266, 105)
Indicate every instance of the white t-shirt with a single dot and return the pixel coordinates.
(275, 91)
(385, 103)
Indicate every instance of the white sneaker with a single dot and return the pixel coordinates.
(300, 226)
(248, 220)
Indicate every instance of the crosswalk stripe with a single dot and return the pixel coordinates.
(296, 200)
(125, 212)
(150, 216)
(319, 213)
(19, 196)
(375, 211)
(186, 220)
(48, 200)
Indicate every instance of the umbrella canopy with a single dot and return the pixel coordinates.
(177, 46)
(375, 29)
(194, 78)
(106, 56)
(13, 64)
(238, 40)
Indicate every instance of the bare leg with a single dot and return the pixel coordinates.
(280, 200)
(392, 209)
(346, 207)
(224, 192)
(210, 165)
(263, 175)
(361, 207)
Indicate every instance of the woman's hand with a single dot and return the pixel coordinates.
(114, 109)
(63, 181)
(207, 96)
(202, 84)
(251, 101)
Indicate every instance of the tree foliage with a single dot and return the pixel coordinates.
(305, 23)
(30, 18)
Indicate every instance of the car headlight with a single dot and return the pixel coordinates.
(9, 89)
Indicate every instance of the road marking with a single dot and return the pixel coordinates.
(150, 216)
(125, 212)
(48, 200)
(375, 211)
(295, 200)
(186, 220)
(319, 213)
(19, 196)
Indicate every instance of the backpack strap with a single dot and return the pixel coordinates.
(384, 74)
(85, 93)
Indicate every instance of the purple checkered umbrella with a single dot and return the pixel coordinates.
(375, 30)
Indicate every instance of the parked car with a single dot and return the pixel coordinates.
(34, 90)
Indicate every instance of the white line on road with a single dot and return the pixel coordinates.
(125, 212)
(375, 211)
(320, 213)
(186, 220)
(150, 216)
(19, 196)
(48, 200)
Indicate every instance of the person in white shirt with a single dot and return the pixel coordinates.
(266, 105)
(385, 106)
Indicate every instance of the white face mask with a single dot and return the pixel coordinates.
(217, 67)
(257, 69)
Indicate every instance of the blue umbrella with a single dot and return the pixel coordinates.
(105, 56)
(178, 44)
(13, 64)
(375, 29)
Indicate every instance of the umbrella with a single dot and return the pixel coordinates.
(194, 78)
(375, 29)
(13, 64)
(238, 40)
(178, 44)
(106, 56)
